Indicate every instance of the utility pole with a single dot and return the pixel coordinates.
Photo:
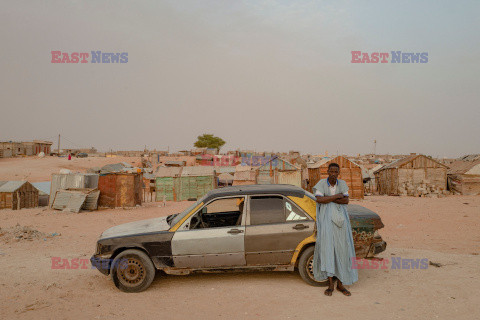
(374, 147)
(58, 150)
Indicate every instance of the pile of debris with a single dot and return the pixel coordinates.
(22, 233)
(424, 189)
(76, 199)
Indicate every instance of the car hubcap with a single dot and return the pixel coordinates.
(310, 267)
(131, 272)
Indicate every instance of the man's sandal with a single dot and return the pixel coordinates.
(344, 291)
(329, 292)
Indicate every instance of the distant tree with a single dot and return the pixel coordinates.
(209, 141)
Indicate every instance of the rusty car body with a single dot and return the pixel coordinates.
(253, 227)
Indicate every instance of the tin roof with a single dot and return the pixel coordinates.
(197, 171)
(400, 162)
(225, 177)
(168, 172)
(175, 163)
(10, 186)
(225, 169)
(462, 167)
(288, 165)
(43, 187)
(115, 167)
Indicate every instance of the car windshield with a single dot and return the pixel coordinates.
(182, 214)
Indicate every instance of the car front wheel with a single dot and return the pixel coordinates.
(132, 271)
(305, 268)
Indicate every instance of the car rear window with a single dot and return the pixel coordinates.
(266, 210)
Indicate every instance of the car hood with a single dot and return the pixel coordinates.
(137, 227)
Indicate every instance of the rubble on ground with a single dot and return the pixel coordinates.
(23, 233)
(424, 189)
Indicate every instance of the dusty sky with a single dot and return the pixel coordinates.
(273, 75)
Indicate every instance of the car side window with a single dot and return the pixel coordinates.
(267, 210)
(219, 213)
(293, 213)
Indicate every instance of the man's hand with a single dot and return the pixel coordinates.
(342, 199)
(328, 199)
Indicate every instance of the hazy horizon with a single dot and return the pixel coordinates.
(264, 76)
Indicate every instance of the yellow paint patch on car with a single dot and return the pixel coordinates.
(300, 246)
(175, 227)
(307, 204)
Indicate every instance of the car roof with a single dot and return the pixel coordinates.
(256, 189)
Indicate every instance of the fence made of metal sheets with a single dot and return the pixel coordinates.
(72, 181)
(166, 188)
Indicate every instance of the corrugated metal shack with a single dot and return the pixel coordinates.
(196, 182)
(18, 195)
(43, 192)
(120, 189)
(225, 175)
(167, 183)
(464, 177)
(279, 171)
(61, 181)
(148, 186)
(244, 175)
(412, 175)
(350, 172)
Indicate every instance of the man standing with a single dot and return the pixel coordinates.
(334, 248)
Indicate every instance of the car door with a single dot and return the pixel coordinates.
(219, 243)
(274, 228)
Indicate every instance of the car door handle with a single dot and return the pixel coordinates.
(300, 227)
(235, 231)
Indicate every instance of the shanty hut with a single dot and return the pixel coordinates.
(167, 183)
(18, 195)
(412, 175)
(244, 175)
(279, 171)
(43, 192)
(225, 175)
(464, 177)
(120, 189)
(225, 179)
(350, 172)
(148, 186)
(298, 161)
(196, 181)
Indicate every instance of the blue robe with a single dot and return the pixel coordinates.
(334, 248)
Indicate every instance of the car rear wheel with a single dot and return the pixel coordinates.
(305, 268)
(132, 271)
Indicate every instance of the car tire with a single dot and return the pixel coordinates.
(305, 268)
(132, 271)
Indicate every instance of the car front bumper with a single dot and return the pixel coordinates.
(379, 247)
(101, 264)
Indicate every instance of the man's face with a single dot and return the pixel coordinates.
(333, 172)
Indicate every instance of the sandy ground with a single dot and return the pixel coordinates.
(444, 231)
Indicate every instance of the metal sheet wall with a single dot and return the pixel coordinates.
(72, 180)
(120, 190)
(290, 177)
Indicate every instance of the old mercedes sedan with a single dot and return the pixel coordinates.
(255, 227)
